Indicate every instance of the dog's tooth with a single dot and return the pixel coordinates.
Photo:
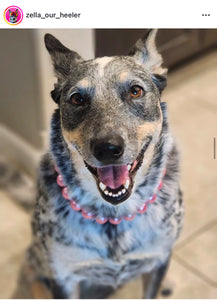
(127, 183)
(110, 194)
(128, 167)
(102, 186)
(123, 191)
(106, 192)
(119, 193)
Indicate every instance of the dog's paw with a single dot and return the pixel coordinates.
(166, 289)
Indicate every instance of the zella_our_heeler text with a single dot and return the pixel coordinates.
(109, 206)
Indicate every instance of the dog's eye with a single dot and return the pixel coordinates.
(136, 91)
(77, 99)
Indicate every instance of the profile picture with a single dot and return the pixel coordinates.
(13, 15)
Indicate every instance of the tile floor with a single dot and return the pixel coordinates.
(192, 101)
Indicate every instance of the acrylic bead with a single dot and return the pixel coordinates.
(56, 169)
(75, 206)
(160, 186)
(115, 221)
(87, 215)
(152, 199)
(101, 220)
(60, 181)
(130, 217)
(65, 193)
(142, 209)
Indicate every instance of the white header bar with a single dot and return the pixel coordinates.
(110, 14)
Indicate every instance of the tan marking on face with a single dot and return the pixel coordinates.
(84, 83)
(148, 128)
(72, 137)
(85, 177)
(123, 76)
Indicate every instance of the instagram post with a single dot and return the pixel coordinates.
(108, 160)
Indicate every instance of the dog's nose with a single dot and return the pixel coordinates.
(108, 149)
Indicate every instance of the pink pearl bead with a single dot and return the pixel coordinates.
(65, 193)
(152, 199)
(142, 208)
(130, 217)
(75, 206)
(60, 181)
(101, 220)
(73, 202)
(160, 186)
(87, 215)
(115, 221)
(56, 169)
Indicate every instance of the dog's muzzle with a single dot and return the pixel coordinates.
(114, 181)
(109, 149)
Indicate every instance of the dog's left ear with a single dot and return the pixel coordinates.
(63, 61)
(145, 52)
(62, 57)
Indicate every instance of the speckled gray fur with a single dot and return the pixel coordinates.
(67, 248)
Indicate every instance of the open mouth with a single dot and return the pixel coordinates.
(115, 182)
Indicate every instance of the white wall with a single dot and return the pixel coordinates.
(19, 146)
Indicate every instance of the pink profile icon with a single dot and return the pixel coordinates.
(13, 15)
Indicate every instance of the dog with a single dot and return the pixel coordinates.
(13, 15)
(109, 206)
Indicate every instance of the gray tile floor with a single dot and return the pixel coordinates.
(192, 100)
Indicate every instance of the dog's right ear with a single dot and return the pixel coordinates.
(145, 52)
(62, 57)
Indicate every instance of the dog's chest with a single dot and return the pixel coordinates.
(110, 272)
(111, 255)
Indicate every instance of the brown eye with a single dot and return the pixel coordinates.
(77, 99)
(136, 91)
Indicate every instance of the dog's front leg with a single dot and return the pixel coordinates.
(152, 281)
(31, 286)
(67, 288)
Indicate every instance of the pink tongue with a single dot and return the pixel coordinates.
(113, 176)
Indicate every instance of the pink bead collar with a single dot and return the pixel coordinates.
(102, 220)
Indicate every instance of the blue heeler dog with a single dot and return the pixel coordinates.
(13, 16)
(109, 206)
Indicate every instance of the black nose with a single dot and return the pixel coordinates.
(108, 149)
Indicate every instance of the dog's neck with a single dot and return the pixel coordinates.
(63, 161)
(101, 219)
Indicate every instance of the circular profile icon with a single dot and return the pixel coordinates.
(13, 15)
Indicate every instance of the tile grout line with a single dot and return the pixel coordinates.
(194, 270)
(196, 234)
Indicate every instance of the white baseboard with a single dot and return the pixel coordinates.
(18, 150)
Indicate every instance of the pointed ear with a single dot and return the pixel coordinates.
(145, 52)
(63, 58)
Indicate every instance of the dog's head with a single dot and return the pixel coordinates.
(13, 15)
(110, 112)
